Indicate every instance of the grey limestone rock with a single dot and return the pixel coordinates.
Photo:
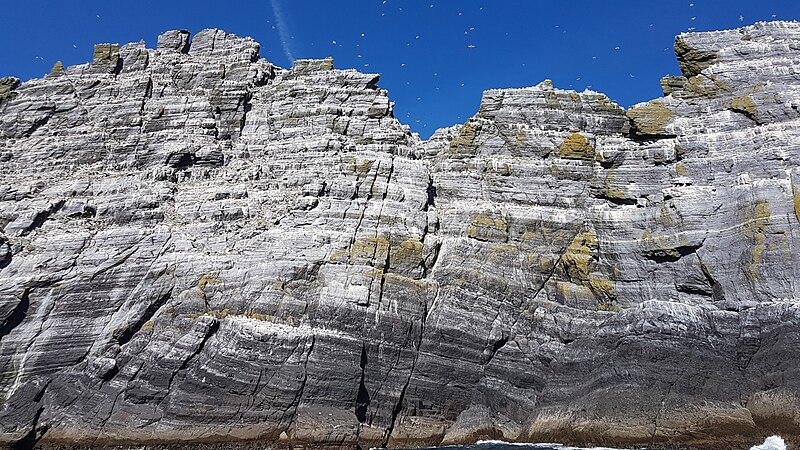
(197, 246)
(177, 40)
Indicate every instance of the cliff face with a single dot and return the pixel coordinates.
(200, 246)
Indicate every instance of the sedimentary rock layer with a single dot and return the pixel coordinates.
(199, 246)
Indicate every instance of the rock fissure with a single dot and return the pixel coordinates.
(17, 315)
(363, 397)
(207, 330)
(398, 408)
(30, 439)
(147, 315)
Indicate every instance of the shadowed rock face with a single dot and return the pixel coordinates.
(198, 246)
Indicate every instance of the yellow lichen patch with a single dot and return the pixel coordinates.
(615, 193)
(564, 289)
(602, 288)
(360, 168)
(219, 314)
(375, 274)
(419, 285)
(531, 260)
(501, 251)
(483, 279)
(681, 170)
(408, 252)
(796, 199)
(106, 54)
(574, 295)
(576, 146)
(679, 151)
(206, 280)
(490, 222)
(757, 217)
(744, 103)
(258, 316)
(546, 264)
(466, 137)
(756, 224)
(578, 263)
(666, 217)
(58, 69)
(554, 169)
(405, 255)
(367, 249)
(520, 140)
(148, 325)
(759, 248)
(650, 118)
(706, 87)
(693, 60)
(484, 227)
(608, 307)
(661, 245)
(578, 259)
(209, 278)
(610, 190)
(338, 256)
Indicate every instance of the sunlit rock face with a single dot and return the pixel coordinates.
(198, 246)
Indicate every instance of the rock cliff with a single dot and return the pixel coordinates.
(199, 246)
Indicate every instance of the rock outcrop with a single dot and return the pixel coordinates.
(198, 246)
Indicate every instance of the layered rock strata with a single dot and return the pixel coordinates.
(198, 246)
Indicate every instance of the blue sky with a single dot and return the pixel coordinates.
(435, 56)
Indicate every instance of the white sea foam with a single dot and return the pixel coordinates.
(771, 443)
(497, 442)
(551, 445)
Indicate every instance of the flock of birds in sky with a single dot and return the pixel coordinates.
(280, 25)
(285, 37)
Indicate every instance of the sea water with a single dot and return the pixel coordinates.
(771, 443)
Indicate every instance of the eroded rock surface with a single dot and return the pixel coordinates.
(199, 246)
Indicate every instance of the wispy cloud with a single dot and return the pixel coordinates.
(283, 29)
